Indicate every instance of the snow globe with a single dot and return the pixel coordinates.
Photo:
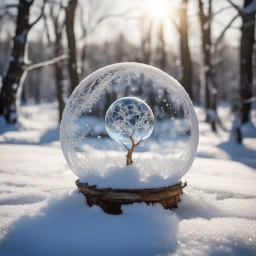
(130, 133)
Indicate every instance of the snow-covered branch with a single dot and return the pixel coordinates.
(47, 63)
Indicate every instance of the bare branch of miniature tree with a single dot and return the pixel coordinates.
(127, 113)
(129, 160)
(124, 145)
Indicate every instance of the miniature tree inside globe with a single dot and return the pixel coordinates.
(129, 121)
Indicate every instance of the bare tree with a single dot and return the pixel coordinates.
(186, 62)
(72, 62)
(146, 30)
(182, 28)
(160, 49)
(19, 65)
(55, 18)
(246, 69)
(129, 120)
(210, 90)
(17, 61)
(246, 63)
(91, 18)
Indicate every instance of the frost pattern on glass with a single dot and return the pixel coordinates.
(129, 117)
(176, 129)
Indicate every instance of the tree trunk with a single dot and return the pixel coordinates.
(210, 91)
(236, 134)
(186, 62)
(16, 68)
(246, 62)
(83, 58)
(129, 160)
(72, 63)
(59, 81)
(37, 95)
(161, 56)
(146, 43)
(24, 97)
(206, 45)
(59, 77)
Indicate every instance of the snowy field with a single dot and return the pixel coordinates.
(42, 213)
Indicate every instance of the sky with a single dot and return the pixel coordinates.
(130, 26)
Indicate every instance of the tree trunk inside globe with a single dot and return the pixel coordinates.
(129, 160)
(111, 200)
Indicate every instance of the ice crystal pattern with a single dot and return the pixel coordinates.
(129, 117)
(167, 136)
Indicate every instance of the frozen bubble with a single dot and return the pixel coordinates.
(85, 110)
(129, 118)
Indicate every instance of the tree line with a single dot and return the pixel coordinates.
(71, 57)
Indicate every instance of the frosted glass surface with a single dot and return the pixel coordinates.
(90, 129)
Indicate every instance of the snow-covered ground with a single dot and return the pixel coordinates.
(42, 213)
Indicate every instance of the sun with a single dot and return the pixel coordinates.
(158, 9)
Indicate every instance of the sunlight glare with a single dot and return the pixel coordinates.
(158, 9)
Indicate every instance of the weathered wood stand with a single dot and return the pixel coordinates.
(111, 200)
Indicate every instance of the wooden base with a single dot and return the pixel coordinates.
(111, 200)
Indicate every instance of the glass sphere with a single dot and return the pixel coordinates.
(128, 119)
(96, 147)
